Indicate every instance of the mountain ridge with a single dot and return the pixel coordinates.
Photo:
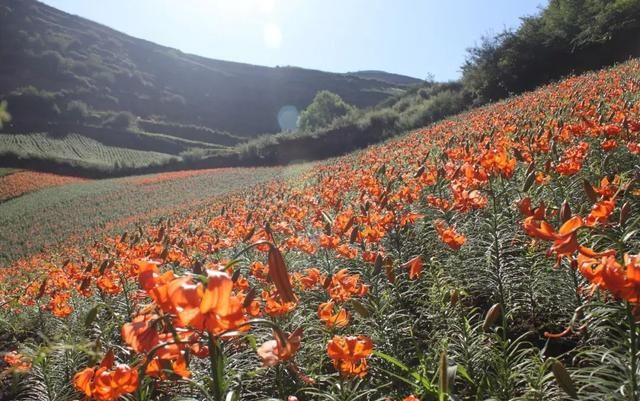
(83, 57)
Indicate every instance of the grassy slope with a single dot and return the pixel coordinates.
(53, 216)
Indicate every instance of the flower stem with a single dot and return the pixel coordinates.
(634, 352)
(216, 357)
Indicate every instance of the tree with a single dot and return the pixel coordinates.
(567, 36)
(77, 110)
(325, 108)
(30, 102)
(123, 120)
(5, 117)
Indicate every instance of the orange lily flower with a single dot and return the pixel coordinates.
(600, 212)
(415, 266)
(566, 239)
(538, 228)
(105, 383)
(313, 278)
(349, 354)
(274, 306)
(17, 361)
(344, 286)
(140, 333)
(273, 351)
(622, 282)
(214, 309)
(339, 319)
(449, 236)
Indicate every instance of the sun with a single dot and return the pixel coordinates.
(272, 35)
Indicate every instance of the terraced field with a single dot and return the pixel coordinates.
(79, 149)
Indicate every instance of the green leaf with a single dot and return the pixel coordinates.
(360, 308)
(629, 235)
(462, 372)
(91, 316)
(421, 380)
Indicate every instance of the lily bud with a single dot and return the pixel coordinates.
(565, 211)
(493, 315)
(563, 379)
(625, 212)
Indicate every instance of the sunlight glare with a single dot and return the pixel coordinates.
(272, 35)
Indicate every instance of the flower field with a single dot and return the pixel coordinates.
(82, 211)
(21, 182)
(490, 256)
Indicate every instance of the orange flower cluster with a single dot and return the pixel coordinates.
(17, 361)
(22, 182)
(107, 382)
(622, 281)
(601, 269)
(344, 286)
(349, 354)
(173, 175)
(449, 236)
(338, 319)
(190, 306)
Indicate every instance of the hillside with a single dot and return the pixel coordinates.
(62, 74)
(76, 59)
(498, 246)
(383, 76)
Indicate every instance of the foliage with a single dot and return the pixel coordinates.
(325, 108)
(79, 149)
(123, 120)
(5, 117)
(567, 36)
(77, 110)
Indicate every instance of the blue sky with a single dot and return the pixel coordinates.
(411, 37)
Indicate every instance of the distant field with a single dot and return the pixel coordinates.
(75, 212)
(7, 171)
(16, 183)
(79, 149)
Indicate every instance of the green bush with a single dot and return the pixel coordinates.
(123, 120)
(325, 108)
(5, 117)
(77, 110)
(32, 108)
(568, 36)
(437, 107)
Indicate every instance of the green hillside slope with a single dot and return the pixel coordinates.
(67, 58)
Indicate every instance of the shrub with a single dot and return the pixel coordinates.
(5, 117)
(123, 120)
(438, 106)
(77, 110)
(30, 102)
(325, 108)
